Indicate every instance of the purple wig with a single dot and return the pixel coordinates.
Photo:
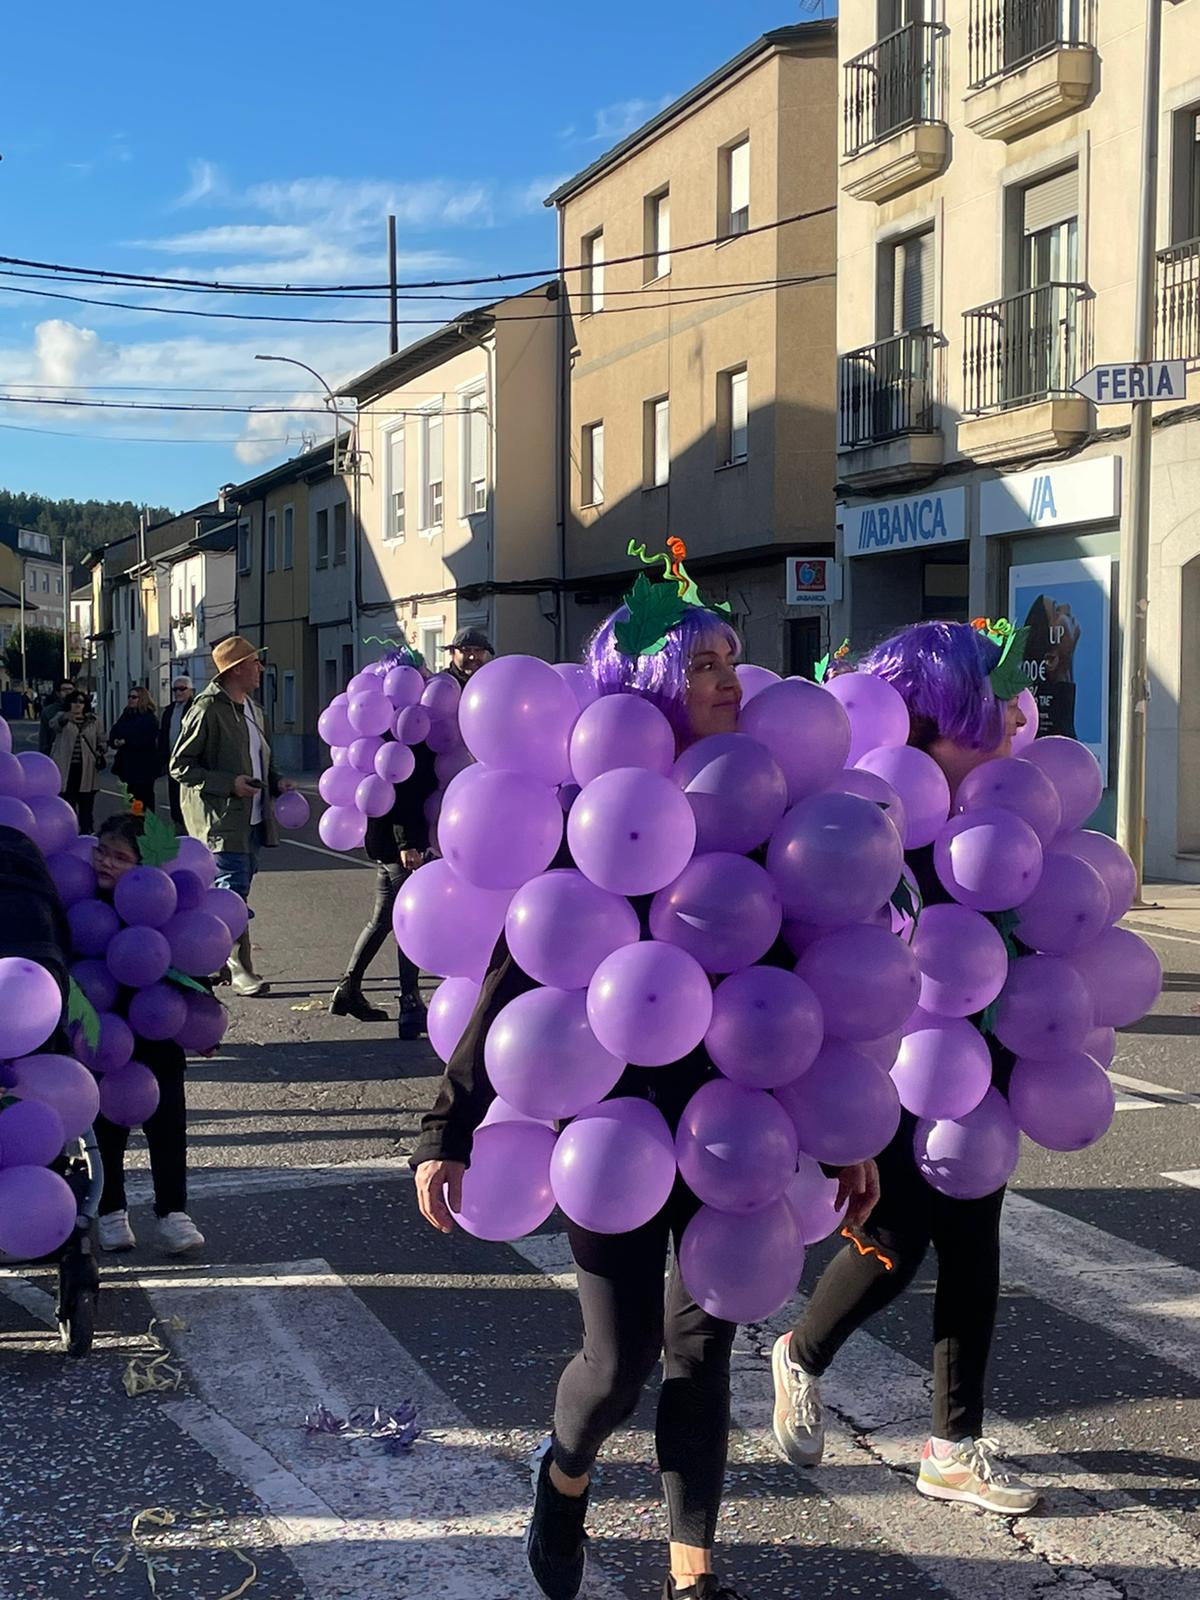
(941, 669)
(661, 678)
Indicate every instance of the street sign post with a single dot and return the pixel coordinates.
(1119, 383)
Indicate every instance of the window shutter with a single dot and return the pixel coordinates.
(912, 287)
(662, 442)
(1052, 201)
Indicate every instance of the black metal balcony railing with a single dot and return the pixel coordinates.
(1177, 317)
(1027, 347)
(889, 389)
(891, 86)
(1003, 35)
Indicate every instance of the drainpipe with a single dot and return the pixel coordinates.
(561, 439)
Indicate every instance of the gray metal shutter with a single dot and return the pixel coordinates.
(1052, 201)
(912, 284)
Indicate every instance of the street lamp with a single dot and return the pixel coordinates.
(330, 397)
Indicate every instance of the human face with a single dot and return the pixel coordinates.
(112, 858)
(64, 689)
(75, 710)
(181, 691)
(956, 760)
(469, 659)
(714, 692)
(245, 677)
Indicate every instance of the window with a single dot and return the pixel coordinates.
(347, 663)
(473, 450)
(289, 539)
(394, 513)
(431, 643)
(243, 547)
(909, 283)
(593, 272)
(45, 583)
(592, 464)
(32, 581)
(656, 437)
(270, 541)
(431, 470)
(731, 417)
(1185, 187)
(735, 190)
(289, 697)
(58, 585)
(330, 678)
(657, 244)
(1050, 230)
(339, 534)
(323, 540)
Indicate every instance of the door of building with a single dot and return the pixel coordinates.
(803, 646)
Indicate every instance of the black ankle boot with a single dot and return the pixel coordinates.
(348, 1000)
(412, 1017)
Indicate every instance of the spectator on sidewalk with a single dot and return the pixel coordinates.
(134, 737)
(51, 706)
(469, 650)
(78, 752)
(169, 728)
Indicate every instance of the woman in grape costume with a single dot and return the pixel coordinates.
(626, 1330)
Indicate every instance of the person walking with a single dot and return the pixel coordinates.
(134, 737)
(469, 650)
(77, 749)
(227, 780)
(169, 727)
(52, 704)
(942, 671)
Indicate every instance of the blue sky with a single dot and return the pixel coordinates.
(265, 143)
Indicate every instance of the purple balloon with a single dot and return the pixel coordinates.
(450, 763)
(736, 790)
(649, 1003)
(972, 1156)
(97, 983)
(766, 1027)
(342, 827)
(158, 1012)
(195, 856)
(16, 814)
(374, 797)
(560, 927)
(446, 925)
(205, 1025)
(614, 1166)
(844, 1107)
(5, 736)
(403, 686)
(1045, 1008)
(543, 1057)
(93, 923)
(113, 1048)
(722, 909)
(921, 785)
(501, 1111)
(334, 723)
(583, 685)
(1106, 856)
(517, 713)
(138, 957)
(856, 780)
(812, 1199)
(1074, 772)
(370, 711)
(395, 762)
(73, 878)
(31, 1004)
(631, 831)
(962, 959)
(754, 679)
(129, 1095)
(37, 1212)
(1123, 976)
(943, 1067)
(441, 696)
(451, 1008)
(1024, 736)
(199, 942)
(412, 725)
(866, 980)
(31, 1134)
(620, 730)
(41, 775)
(988, 860)
(84, 847)
(1068, 908)
(336, 785)
(363, 752)
(884, 1050)
(742, 1268)
(1101, 1045)
(1066, 1104)
(146, 897)
(189, 890)
(365, 681)
(1008, 784)
(499, 829)
(736, 1147)
(12, 773)
(60, 1082)
(804, 728)
(877, 713)
(54, 821)
(506, 1190)
(291, 809)
(444, 738)
(835, 859)
(230, 907)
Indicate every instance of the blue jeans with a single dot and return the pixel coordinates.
(236, 868)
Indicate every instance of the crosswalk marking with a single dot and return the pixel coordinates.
(1191, 1177)
(1155, 1091)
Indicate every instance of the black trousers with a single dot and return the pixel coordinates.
(627, 1327)
(143, 792)
(82, 803)
(909, 1218)
(176, 807)
(166, 1137)
(389, 877)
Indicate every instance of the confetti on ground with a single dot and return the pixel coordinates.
(396, 1431)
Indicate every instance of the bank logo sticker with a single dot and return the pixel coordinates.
(1041, 500)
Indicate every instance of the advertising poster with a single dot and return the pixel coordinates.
(1067, 606)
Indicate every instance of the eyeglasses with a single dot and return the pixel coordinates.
(115, 858)
(182, 688)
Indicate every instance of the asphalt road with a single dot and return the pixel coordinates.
(320, 1286)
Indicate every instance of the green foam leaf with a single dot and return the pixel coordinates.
(654, 609)
(81, 1010)
(173, 975)
(159, 843)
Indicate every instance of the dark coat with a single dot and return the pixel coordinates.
(164, 734)
(136, 762)
(405, 826)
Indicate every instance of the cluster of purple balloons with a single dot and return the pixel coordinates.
(371, 729)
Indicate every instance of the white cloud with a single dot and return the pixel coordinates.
(614, 122)
(205, 181)
(66, 354)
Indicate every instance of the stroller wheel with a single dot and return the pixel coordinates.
(77, 1323)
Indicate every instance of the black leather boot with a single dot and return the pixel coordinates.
(412, 1017)
(348, 1000)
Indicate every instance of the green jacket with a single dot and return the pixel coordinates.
(212, 750)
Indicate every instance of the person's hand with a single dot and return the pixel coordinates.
(285, 784)
(432, 1178)
(117, 743)
(412, 859)
(244, 788)
(858, 1184)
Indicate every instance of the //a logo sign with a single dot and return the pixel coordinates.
(1041, 500)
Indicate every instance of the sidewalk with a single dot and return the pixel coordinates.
(1170, 908)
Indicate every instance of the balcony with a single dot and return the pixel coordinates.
(888, 410)
(1029, 62)
(894, 129)
(1021, 355)
(1177, 315)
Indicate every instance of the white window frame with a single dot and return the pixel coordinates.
(656, 442)
(321, 540)
(593, 272)
(289, 699)
(733, 416)
(734, 219)
(591, 488)
(392, 534)
(658, 235)
(272, 540)
(431, 628)
(245, 546)
(433, 505)
(340, 506)
(287, 551)
(473, 487)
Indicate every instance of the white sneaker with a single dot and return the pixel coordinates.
(178, 1234)
(971, 1473)
(114, 1231)
(798, 1422)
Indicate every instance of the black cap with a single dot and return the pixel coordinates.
(471, 639)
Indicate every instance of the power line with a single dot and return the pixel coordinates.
(117, 438)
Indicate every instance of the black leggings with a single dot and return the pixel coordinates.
(166, 1137)
(82, 802)
(388, 880)
(909, 1218)
(626, 1328)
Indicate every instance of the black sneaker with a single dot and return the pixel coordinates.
(706, 1587)
(556, 1544)
(412, 1017)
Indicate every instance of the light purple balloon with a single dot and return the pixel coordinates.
(631, 831)
(31, 1134)
(962, 959)
(517, 713)
(649, 1003)
(501, 1111)
(620, 730)
(189, 890)
(543, 1057)
(112, 1049)
(363, 752)
(446, 925)
(206, 1023)
(195, 857)
(499, 829)
(54, 821)
(1101, 1045)
(804, 728)
(334, 723)
(583, 685)
(1067, 1104)
(943, 1067)
(812, 1200)
(84, 847)
(342, 827)
(1074, 772)
(877, 712)
(1009, 784)
(30, 1004)
(146, 897)
(448, 765)
(291, 809)
(230, 907)
(736, 1147)
(844, 1108)
(97, 983)
(835, 859)
(1045, 1008)
(403, 686)
(1024, 737)
(866, 980)
(60, 1082)
(988, 860)
(742, 1268)
(16, 814)
(129, 1095)
(374, 797)
(5, 737)
(451, 1008)
(972, 1156)
(370, 711)
(199, 942)
(560, 927)
(856, 780)
(158, 1012)
(73, 878)
(12, 773)
(736, 789)
(766, 1027)
(93, 923)
(37, 1212)
(444, 738)
(754, 680)
(395, 762)
(921, 785)
(339, 755)
(722, 909)
(1106, 856)
(884, 1050)
(138, 957)
(1123, 976)
(412, 725)
(41, 774)
(613, 1167)
(506, 1190)
(364, 681)
(1068, 908)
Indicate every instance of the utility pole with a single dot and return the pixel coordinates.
(66, 588)
(393, 325)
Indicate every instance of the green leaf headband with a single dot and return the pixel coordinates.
(1007, 677)
(159, 842)
(656, 608)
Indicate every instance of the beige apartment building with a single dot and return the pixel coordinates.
(457, 482)
(987, 213)
(699, 359)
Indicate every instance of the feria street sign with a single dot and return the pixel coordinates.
(1121, 382)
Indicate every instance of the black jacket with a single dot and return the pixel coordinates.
(164, 735)
(136, 762)
(405, 826)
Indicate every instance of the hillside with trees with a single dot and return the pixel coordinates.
(86, 523)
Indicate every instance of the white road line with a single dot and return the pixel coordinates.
(35, 1301)
(215, 1183)
(1158, 1091)
(1134, 1102)
(1191, 1177)
(334, 855)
